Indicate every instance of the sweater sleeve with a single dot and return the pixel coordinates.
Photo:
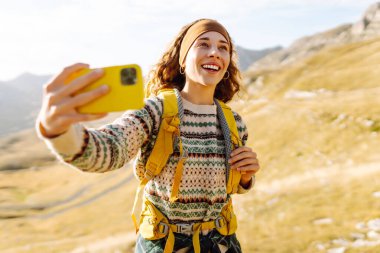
(108, 147)
(243, 134)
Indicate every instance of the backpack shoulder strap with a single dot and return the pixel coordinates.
(169, 126)
(228, 114)
(172, 118)
(163, 146)
(233, 176)
(170, 104)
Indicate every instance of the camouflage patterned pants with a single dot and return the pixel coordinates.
(208, 243)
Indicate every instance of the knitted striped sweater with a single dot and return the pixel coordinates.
(202, 193)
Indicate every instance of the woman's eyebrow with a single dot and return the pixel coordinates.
(207, 39)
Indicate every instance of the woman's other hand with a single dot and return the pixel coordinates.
(245, 160)
(59, 102)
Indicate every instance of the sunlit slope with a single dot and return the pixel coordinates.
(347, 67)
(313, 212)
(50, 207)
(323, 111)
(296, 135)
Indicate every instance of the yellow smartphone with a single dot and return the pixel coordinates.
(126, 89)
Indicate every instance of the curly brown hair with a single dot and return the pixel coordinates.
(166, 73)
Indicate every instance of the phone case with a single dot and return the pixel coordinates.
(126, 89)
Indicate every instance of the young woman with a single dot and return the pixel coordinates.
(200, 66)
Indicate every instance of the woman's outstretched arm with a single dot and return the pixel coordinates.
(94, 150)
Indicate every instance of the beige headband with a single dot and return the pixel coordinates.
(198, 29)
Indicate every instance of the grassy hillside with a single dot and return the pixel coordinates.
(348, 67)
(316, 128)
(311, 212)
(296, 135)
(58, 209)
(322, 111)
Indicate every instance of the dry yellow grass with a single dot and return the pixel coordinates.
(348, 67)
(283, 219)
(85, 208)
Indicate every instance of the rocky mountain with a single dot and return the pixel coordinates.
(369, 25)
(366, 28)
(248, 56)
(20, 100)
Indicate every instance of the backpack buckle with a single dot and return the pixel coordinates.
(219, 222)
(184, 228)
(149, 174)
(184, 155)
(163, 228)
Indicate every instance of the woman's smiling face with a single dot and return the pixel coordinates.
(207, 59)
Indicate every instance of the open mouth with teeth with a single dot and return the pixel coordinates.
(212, 68)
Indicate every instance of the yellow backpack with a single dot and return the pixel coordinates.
(151, 219)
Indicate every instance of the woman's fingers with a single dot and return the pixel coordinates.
(245, 162)
(58, 81)
(62, 101)
(59, 105)
(241, 153)
(53, 89)
(248, 168)
(244, 159)
(69, 70)
(83, 98)
(80, 82)
(241, 150)
(65, 114)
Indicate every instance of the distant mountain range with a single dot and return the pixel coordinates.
(20, 100)
(366, 28)
(248, 56)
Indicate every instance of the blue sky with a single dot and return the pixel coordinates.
(43, 36)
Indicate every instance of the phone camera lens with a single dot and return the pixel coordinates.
(128, 76)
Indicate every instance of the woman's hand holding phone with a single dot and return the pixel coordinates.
(60, 100)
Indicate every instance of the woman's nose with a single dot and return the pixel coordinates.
(214, 52)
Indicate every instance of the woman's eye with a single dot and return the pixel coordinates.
(224, 48)
(203, 45)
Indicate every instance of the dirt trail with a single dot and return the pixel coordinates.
(83, 195)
